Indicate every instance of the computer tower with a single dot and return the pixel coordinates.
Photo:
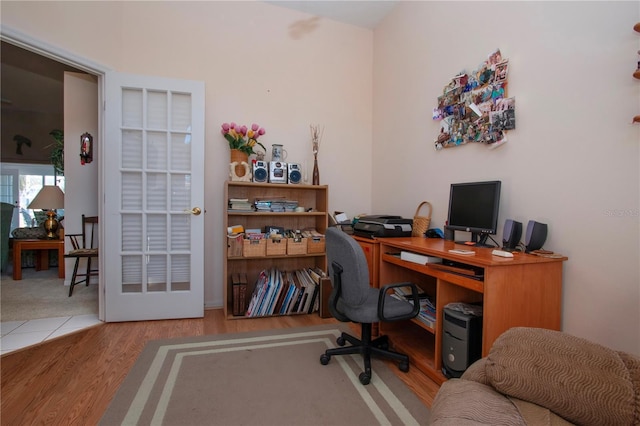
(461, 342)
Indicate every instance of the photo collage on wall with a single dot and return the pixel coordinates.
(474, 107)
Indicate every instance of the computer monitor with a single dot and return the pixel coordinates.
(473, 207)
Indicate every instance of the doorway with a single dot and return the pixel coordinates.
(33, 93)
(181, 262)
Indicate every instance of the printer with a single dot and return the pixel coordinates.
(383, 226)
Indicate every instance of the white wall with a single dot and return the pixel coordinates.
(573, 160)
(81, 181)
(260, 63)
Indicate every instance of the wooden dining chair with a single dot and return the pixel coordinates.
(85, 246)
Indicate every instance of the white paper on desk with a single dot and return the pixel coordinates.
(341, 217)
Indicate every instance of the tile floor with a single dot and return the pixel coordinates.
(19, 334)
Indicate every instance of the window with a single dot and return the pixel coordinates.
(20, 183)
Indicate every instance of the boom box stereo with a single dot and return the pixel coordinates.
(511, 234)
(536, 236)
(277, 172)
(294, 173)
(260, 173)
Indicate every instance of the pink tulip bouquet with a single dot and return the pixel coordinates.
(243, 138)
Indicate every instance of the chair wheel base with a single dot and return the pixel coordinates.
(365, 378)
(324, 359)
(404, 367)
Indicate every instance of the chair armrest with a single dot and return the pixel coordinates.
(414, 297)
(336, 291)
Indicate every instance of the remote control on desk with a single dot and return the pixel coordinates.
(463, 252)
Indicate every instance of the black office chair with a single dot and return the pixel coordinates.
(85, 246)
(352, 299)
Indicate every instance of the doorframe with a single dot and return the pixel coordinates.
(58, 54)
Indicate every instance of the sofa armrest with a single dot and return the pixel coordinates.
(461, 402)
(476, 372)
(581, 381)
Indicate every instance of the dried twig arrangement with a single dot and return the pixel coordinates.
(316, 137)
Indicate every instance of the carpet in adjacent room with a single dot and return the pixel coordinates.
(41, 294)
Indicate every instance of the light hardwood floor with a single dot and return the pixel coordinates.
(72, 379)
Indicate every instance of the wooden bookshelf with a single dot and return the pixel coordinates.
(313, 197)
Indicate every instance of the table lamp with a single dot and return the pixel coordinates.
(49, 198)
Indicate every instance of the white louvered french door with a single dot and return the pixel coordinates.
(154, 198)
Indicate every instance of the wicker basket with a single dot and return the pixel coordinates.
(234, 245)
(315, 245)
(254, 248)
(421, 223)
(276, 247)
(296, 247)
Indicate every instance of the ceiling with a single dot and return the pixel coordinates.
(365, 14)
(30, 82)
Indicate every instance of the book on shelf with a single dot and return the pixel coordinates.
(266, 295)
(289, 294)
(323, 298)
(275, 204)
(405, 292)
(316, 275)
(281, 296)
(257, 294)
(295, 304)
(427, 320)
(309, 291)
(239, 287)
(283, 292)
(427, 313)
(240, 205)
(277, 277)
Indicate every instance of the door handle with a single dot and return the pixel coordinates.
(194, 211)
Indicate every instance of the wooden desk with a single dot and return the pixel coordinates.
(523, 291)
(42, 248)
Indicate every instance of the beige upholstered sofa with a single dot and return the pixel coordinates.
(534, 376)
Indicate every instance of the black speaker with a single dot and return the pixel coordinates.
(536, 235)
(511, 234)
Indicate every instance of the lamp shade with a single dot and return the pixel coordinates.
(50, 197)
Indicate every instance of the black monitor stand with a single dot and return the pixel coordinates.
(477, 240)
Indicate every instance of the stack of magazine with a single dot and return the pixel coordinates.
(285, 292)
(240, 205)
(427, 313)
(275, 205)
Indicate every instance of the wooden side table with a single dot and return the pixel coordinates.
(42, 257)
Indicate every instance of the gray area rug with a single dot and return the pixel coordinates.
(41, 294)
(261, 378)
